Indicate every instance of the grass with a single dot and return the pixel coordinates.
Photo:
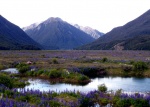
(111, 61)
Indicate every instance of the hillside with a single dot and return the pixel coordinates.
(14, 38)
(134, 35)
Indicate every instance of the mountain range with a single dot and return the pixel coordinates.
(14, 38)
(54, 33)
(135, 35)
(93, 32)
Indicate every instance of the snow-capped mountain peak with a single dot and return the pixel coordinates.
(93, 32)
(32, 26)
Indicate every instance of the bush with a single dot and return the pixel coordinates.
(54, 73)
(104, 59)
(39, 72)
(102, 88)
(7, 81)
(55, 104)
(140, 66)
(1, 67)
(140, 103)
(23, 68)
(54, 61)
(104, 101)
(82, 78)
(123, 103)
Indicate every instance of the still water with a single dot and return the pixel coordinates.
(10, 70)
(130, 84)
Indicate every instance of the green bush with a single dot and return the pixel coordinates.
(102, 88)
(140, 66)
(55, 104)
(123, 103)
(82, 78)
(8, 93)
(132, 103)
(30, 73)
(39, 72)
(54, 73)
(5, 80)
(54, 61)
(104, 59)
(23, 68)
(104, 101)
(1, 67)
(140, 103)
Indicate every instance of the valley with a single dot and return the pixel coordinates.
(56, 78)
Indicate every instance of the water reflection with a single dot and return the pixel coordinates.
(127, 84)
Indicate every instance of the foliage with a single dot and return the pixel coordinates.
(54, 104)
(6, 80)
(54, 73)
(104, 59)
(73, 99)
(82, 78)
(55, 61)
(140, 66)
(123, 103)
(102, 88)
(23, 68)
(1, 67)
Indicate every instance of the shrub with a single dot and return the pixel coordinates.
(102, 88)
(140, 103)
(104, 59)
(140, 66)
(5, 80)
(55, 104)
(39, 72)
(22, 67)
(82, 78)
(54, 61)
(104, 101)
(54, 73)
(123, 103)
(1, 67)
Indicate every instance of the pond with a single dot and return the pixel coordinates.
(10, 70)
(130, 84)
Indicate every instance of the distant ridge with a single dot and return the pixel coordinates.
(54, 33)
(134, 35)
(14, 38)
(93, 32)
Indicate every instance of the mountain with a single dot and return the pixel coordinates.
(14, 38)
(93, 32)
(134, 35)
(54, 33)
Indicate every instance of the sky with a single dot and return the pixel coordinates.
(102, 15)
